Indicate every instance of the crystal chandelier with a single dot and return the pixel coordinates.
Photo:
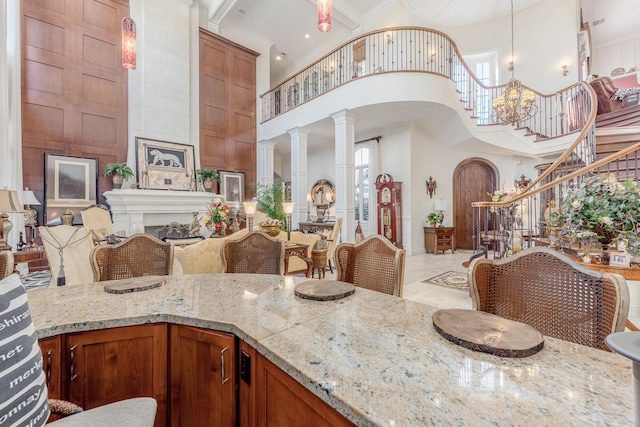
(516, 104)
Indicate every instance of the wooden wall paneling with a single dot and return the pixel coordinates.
(227, 107)
(74, 89)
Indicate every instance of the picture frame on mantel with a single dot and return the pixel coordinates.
(70, 183)
(232, 186)
(164, 165)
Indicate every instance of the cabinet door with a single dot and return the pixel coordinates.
(120, 363)
(51, 364)
(202, 372)
(282, 401)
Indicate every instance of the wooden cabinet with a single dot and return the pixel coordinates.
(202, 377)
(439, 239)
(51, 365)
(114, 364)
(271, 398)
(390, 208)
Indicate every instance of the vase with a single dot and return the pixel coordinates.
(117, 180)
(215, 233)
(67, 217)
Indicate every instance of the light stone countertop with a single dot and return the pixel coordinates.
(375, 358)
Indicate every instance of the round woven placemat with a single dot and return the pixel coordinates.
(324, 290)
(488, 333)
(135, 284)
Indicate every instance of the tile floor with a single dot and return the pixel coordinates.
(422, 266)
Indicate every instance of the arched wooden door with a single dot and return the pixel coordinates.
(474, 180)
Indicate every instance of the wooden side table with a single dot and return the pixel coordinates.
(439, 239)
(28, 256)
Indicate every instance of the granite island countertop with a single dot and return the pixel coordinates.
(375, 358)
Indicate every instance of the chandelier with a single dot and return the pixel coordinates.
(516, 104)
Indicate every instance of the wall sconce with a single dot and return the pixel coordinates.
(522, 183)
(128, 43)
(433, 57)
(510, 67)
(250, 211)
(431, 187)
(389, 38)
(565, 72)
(288, 211)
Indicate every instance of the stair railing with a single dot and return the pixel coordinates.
(423, 50)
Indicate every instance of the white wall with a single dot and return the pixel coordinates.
(624, 53)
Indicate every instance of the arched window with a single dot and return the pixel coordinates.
(362, 184)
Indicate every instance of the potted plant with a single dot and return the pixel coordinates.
(207, 176)
(434, 219)
(118, 172)
(270, 199)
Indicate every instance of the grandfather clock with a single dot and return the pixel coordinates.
(390, 208)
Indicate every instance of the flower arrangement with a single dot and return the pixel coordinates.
(217, 218)
(605, 206)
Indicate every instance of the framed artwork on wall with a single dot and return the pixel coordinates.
(232, 186)
(70, 183)
(163, 165)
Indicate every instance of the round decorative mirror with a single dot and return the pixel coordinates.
(323, 192)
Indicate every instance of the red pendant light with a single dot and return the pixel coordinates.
(128, 43)
(324, 15)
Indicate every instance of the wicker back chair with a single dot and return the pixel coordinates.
(139, 255)
(373, 263)
(552, 293)
(6, 264)
(255, 253)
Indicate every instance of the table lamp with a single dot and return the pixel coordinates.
(9, 202)
(441, 206)
(30, 215)
(288, 211)
(250, 211)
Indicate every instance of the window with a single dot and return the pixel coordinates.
(362, 184)
(485, 67)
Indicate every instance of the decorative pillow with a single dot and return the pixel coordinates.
(23, 389)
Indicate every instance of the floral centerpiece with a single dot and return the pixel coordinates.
(217, 218)
(605, 206)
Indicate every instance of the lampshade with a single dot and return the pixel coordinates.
(250, 208)
(9, 201)
(128, 43)
(288, 207)
(28, 198)
(441, 205)
(324, 15)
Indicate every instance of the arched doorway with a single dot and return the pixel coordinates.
(474, 179)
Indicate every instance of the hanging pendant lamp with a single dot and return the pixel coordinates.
(128, 43)
(324, 15)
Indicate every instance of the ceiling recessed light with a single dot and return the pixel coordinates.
(307, 36)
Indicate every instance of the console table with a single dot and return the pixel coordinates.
(439, 239)
(316, 227)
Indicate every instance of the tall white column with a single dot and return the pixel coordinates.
(345, 179)
(264, 162)
(298, 174)
(11, 108)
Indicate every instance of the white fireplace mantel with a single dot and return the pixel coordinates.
(132, 210)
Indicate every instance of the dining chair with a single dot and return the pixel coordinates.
(6, 263)
(332, 242)
(552, 293)
(24, 399)
(255, 253)
(138, 255)
(97, 221)
(373, 263)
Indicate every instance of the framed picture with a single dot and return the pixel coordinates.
(232, 186)
(619, 259)
(165, 165)
(70, 183)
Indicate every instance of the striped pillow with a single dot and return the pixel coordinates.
(23, 389)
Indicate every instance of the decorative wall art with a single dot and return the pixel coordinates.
(232, 186)
(70, 183)
(165, 165)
